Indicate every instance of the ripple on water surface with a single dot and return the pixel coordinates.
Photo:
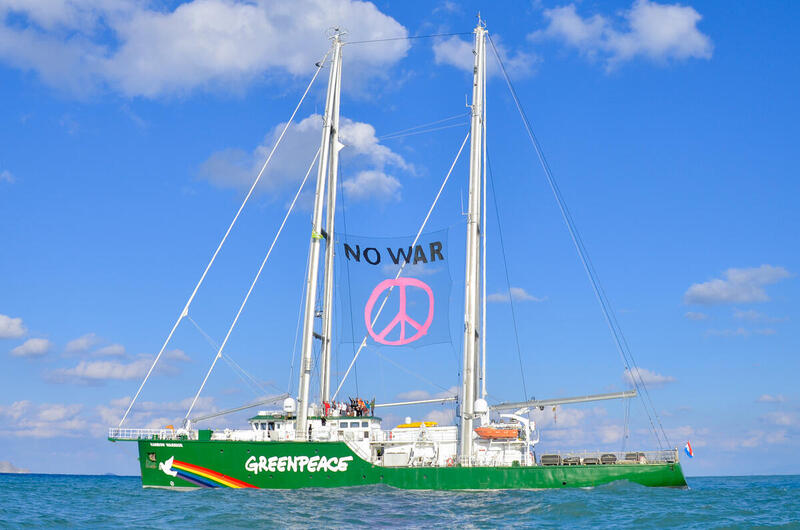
(61, 500)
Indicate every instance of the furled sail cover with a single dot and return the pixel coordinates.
(409, 310)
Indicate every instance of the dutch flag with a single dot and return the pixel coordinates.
(688, 449)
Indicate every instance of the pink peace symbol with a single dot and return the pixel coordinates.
(402, 317)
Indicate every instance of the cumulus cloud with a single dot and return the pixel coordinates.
(140, 49)
(692, 315)
(89, 343)
(46, 420)
(375, 185)
(7, 177)
(518, 294)
(363, 153)
(649, 377)
(769, 398)
(82, 343)
(103, 370)
(153, 414)
(736, 286)
(11, 328)
(457, 52)
(112, 350)
(93, 372)
(739, 332)
(32, 348)
(441, 416)
(754, 316)
(659, 32)
(782, 419)
(414, 395)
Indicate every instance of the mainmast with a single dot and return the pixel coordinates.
(327, 307)
(329, 144)
(470, 371)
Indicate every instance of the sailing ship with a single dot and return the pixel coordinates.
(310, 443)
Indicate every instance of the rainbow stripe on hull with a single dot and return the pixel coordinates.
(203, 477)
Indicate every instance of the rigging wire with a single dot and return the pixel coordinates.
(399, 272)
(349, 290)
(410, 37)
(434, 129)
(437, 122)
(508, 280)
(185, 311)
(253, 284)
(297, 330)
(608, 313)
(238, 370)
(409, 371)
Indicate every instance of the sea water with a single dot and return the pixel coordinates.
(106, 501)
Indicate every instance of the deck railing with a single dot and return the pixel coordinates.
(608, 457)
(115, 433)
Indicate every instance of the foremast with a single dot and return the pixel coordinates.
(470, 371)
(327, 172)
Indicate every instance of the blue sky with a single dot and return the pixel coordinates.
(130, 130)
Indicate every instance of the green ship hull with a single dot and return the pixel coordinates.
(291, 465)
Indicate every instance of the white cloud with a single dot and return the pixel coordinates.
(141, 50)
(648, 29)
(375, 185)
(32, 348)
(457, 52)
(610, 433)
(782, 419)
(11, 328)
(7, 177)
(57, 412)
(414, 395)
(768, 398)
(692, 315)
(87, 372)
(82, 343)
(738, 286)
(647, 376)
(518, 294)
(46, 420)
(103, 370)
(739, 332)
(112, 350)
(152, 414)
(363, 154)
(755, 316)
(176, 355)
(441, 416)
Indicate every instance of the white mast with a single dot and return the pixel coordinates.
(331, 107)
(470, 371)
(483, 250)
(327, 308)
